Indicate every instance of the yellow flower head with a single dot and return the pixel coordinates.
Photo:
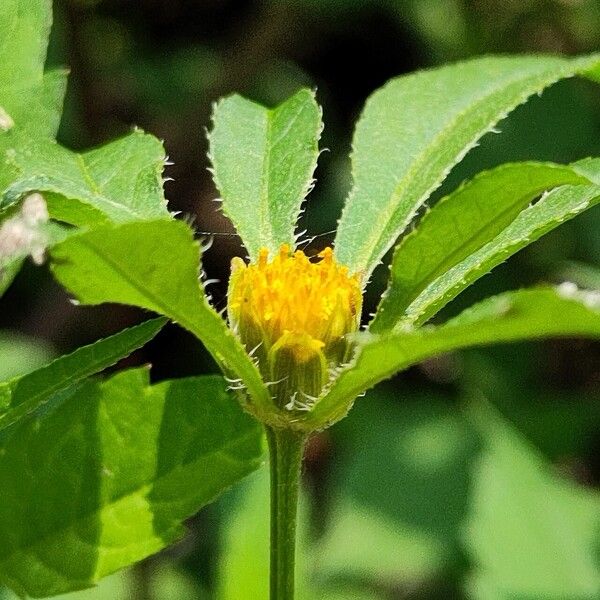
(294, 311)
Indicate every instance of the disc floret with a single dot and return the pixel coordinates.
(294, 314)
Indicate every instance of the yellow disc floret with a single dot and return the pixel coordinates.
(294, 306)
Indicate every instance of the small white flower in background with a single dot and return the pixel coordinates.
(22, 234)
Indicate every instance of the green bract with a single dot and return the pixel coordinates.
(144, 457)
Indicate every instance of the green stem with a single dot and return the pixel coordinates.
(285, 449)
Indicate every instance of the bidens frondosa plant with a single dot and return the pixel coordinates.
(294, 343)
(295, 315)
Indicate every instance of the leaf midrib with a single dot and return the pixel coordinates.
(266, 186)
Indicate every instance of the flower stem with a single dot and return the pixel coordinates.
(285, 449)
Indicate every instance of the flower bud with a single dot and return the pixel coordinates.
(294, 315)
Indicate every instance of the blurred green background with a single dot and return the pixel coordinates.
(472, 476)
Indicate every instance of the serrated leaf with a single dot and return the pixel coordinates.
(23, 395)
(154, 265)
(106, 478)
(416, 128)
(549, 212)
(512, 316)
(459, 225)
(263, 161)
(530, 533)
(119, 182)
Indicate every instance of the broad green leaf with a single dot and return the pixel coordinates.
(263, 161)
(402, 523)
(165, 579)
(24, 30)
(35, 108)
(460, 224)
(113, 587)
(520, 315)
(30, 98)
(551, 210)
(21, 354)
(530, 533)
(154, 265)
(106, 477)
(588, 168)
(119, 182)
(23, 395)
(416, 128)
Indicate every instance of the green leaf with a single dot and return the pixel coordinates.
(21, 354)
(513, 316)
(531, 534)
(35, 108)
(588, 168)
(106, 478)
(400, 524)
(23, 395)
(416, 128)
(154, 265)
(459, 225)
(113, 587)
(263, 163)
(30, 100)
(119, 182)
(24, 32)
(551, 210)
(29, 97)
